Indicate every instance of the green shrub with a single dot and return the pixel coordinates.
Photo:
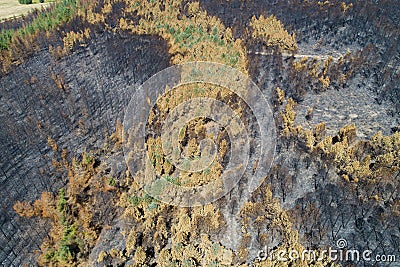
(111, 182)
(5, 39)
(26, 2)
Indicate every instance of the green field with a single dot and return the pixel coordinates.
(11, 8)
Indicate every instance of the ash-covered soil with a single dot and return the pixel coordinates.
(98, 80)
(97, 83)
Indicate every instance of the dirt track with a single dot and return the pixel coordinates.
(316, 56)
(10, 8)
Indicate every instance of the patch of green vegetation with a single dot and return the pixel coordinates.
(28, 2)
(62, 201)
(172, 180)
(68, 244)
(152, 205)
(192, 35)
(136, 200)
(25, 2)
(88, 159)
(62, 12)
(65, 252)
(5, 38)
(111, 181)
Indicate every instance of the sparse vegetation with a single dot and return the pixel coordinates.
(190, 229)
(188, 34)
(370, 161)
(15, 44)
(74, 229)
(62, 12)
(157, 233)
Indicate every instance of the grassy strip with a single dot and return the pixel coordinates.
(62, 12)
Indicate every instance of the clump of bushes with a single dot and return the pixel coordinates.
(5, 38)
(188, 34)
(273, 32)
(25, 2)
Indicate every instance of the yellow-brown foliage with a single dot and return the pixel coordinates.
(193, 132)
(350, 158)
(196, 37)
(268, 218)
(316, 68)
(273, 32)
(52, 144)
(346, 7)
(72, 38)
(280, 95)
(70, 213)
(288, 116)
